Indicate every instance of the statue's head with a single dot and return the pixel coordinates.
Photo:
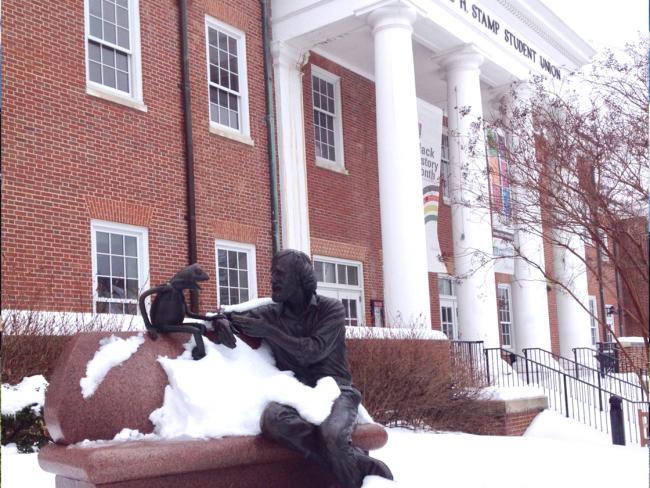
(292, 275)
(188, 278)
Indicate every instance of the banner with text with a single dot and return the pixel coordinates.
(430, 125)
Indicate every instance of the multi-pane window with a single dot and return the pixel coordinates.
(111, 32)
(498, 174)
(327, 117)
(342, 279)
(593, 321)
(119, 267)
(448, 307)
(236, 273)
(505, 315)
(226, 76)
(444, 167)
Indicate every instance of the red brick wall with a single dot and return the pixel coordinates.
(69, 157)
(344, 209)
(633, 359)
(609, 287)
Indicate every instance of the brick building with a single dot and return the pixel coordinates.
(366, 101)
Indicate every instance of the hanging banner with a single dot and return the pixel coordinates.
(430, 125)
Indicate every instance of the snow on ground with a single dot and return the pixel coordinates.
(29, 391)
(113, 352)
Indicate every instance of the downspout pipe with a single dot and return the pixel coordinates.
(270, 127)
(189, 146)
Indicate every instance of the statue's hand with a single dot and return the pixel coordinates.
(251, 326)
(224, 333)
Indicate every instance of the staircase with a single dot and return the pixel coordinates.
(576, 390)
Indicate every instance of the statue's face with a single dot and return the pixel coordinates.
(284, 279)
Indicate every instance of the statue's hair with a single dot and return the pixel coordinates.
(303, 266)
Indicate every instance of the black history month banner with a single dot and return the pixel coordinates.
(430, 125)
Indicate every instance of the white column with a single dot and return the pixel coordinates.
(287, 65)
(406, 283)
(471, 222)
(529, 293)
(570, 270)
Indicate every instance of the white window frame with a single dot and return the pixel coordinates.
(505, 286)
(449, 301)
(243, 134)
(593, 320)
(339, 164)
(251, 263)
(142, 236)
(134, 99)
(611, 324)
(340, 291)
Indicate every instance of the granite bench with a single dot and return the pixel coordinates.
(241, 462)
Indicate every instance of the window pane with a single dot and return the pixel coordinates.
(131, 268)
(123, 17)
(104, 287)
(233, 64)
(243, 295)
(342, 276)
(118, 288)
(109, 76)
(234, 82)
(243, 279)
(234, 296)
(224, 297)
(109, 32)
(116, 308)
(117, 246)
(96, 7)
(232, 259)
(95, 72)
(353, 275)
(108, 56)
(101, 307)
(353, 309)
(318, 268)
(330, 273)
(102, 241)
(123, 38)
(94, 51)
(122, 81)
(214, 78)
(131, 308)
(213, 37)
(117, 266)
(123, 3)
(109, 11)
(223, 41)
(95, 27)
(103, 265)
(222, 258)
(132, 289)
(243, 262)
(233, 277)
(232, 45)
(223, 277)
(131, 245)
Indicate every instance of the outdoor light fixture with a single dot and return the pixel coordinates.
(610, 310)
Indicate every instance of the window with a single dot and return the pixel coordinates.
(498, 174)
(120, 266)
(444, 168)
(328, 132)
(593, 320)
(448, 307)
(609, 320)
(505, 315)
(112, 47)
(343, 280)
(227, 81)
(237, 280)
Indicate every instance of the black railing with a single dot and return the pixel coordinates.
(469, 356)
(627, 387)
(568, 394)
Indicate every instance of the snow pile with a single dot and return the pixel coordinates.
(552, 425)
(225, 392)
(352, 332)
(31, 390)
(113, 351)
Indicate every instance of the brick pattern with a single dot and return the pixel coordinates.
(510, 424)
(344, 211)
(635, 359)
(69, 157)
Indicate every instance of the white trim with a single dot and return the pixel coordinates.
(142, 236)
(219, 130)
(134, 99)
(244, 121)
(251, 262)
(339, 164)
(593, 319)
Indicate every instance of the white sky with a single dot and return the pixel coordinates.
(603, 23)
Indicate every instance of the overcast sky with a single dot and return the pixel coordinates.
(604, 23)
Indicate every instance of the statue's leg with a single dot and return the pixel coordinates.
(284, 425)
(347, 463)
